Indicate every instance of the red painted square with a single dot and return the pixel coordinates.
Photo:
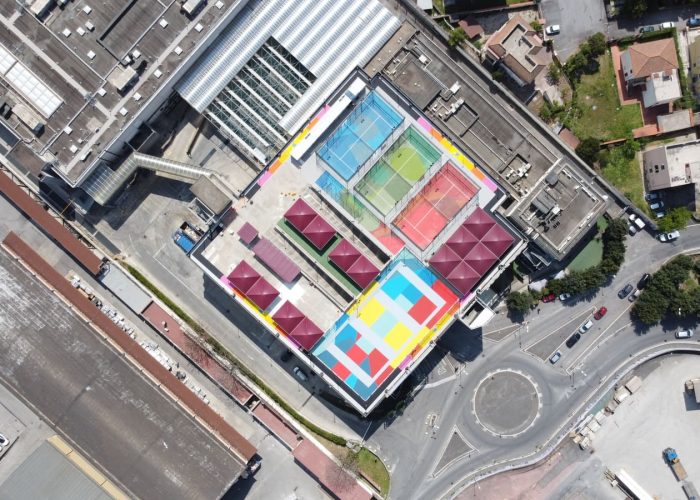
(444, 292)
(341, 371)
(381, 378)
(422, 309)
(376, 361)
(356, 354)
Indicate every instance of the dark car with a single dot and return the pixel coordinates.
(571, 341)
(549, 298)
(286, 355)
(625, 291)
(643, 281)
(693, 22)
(647, 29)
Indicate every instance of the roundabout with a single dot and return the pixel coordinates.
(506, 403)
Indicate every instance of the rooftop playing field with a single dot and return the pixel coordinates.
(388, 327)
(398, 170)
(439, 201)
(360, 135)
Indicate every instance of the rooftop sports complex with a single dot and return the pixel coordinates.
(389, 230)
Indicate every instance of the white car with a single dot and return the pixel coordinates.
(637, 221)
(667, 25)
(586, 326)
(564, 297)
(554, 29)
(684, 334)
(673, 235)
(3, 441)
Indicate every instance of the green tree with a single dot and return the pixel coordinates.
(519, 302)
(457, 37)
(676, 218)
(536, 25)
(597, 44)
(630, 148)
(588, 150)
(635, 8)
(554, 73)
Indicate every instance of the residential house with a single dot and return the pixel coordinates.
(653, 65)
(519, 50)
(672, 165)
(471, 27)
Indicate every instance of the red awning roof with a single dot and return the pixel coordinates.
(288, 317)
(247, 233)
(300, 214)
(463, 277)
(498, 240)
(462, 241)
(344, 255)
(479, 223)
(480, 258)
(362, 272)
(276, 260)
(444, 260)
(262, 294)
(306, 334)
(319, 232)
(243, 276)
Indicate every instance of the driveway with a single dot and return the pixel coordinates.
(578, 19)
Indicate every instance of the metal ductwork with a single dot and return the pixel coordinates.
(104, 182)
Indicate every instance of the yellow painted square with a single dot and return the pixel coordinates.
(397, 336)
(371, 311)
(423, 335)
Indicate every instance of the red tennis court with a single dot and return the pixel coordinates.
(439, 200)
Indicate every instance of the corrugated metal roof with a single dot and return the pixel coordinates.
(276, 260)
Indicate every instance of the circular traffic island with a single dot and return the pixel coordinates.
(506, 403)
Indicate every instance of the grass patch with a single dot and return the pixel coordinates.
(334, 442)
(597, 109)
(602, 224)
(626, 176)
(589, 256)
(439, 6)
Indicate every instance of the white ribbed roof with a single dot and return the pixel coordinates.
(330, 37)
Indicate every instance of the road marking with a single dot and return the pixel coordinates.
(589, 311)
(590, 346)
(155, 257)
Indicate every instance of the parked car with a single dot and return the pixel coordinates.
(571, 341)
(4, 441)
(564, 297)
(600, 313)
(299, 373)
(554, 29)
(651, 196)
(668, 25)
(555, 357)
(632, 230)
(657, 205)
(549, 298)
(643, 281)
(693, 22)
(633, 296)
(253, 467)
(684, 334)
(586, 326)
(647, 29)
(673, 235)
(637, 221)
(625, 291)
(286, 355)
(660, 214)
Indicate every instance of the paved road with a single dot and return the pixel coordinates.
(413, 454)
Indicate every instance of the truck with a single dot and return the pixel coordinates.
(672, 459)
(690, 491)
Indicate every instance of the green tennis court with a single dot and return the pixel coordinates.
(401, 167)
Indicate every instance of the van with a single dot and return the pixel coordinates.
(657, 205)
(586, 326)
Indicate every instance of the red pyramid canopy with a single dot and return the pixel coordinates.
(463, 277)
(362, 272)
(288, 317)
(243, 276)
(462, 241)
(479, 223)
(319, 232)
(344, 255)
(444, 260)
(262, 294)
(480, 258)
(498, 240)
(306, 334)
(300, 214)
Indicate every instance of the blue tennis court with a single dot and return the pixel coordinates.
(360, 135)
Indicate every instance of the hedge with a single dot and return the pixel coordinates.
(224, 353)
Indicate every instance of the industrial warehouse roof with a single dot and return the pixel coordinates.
(328, 38)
